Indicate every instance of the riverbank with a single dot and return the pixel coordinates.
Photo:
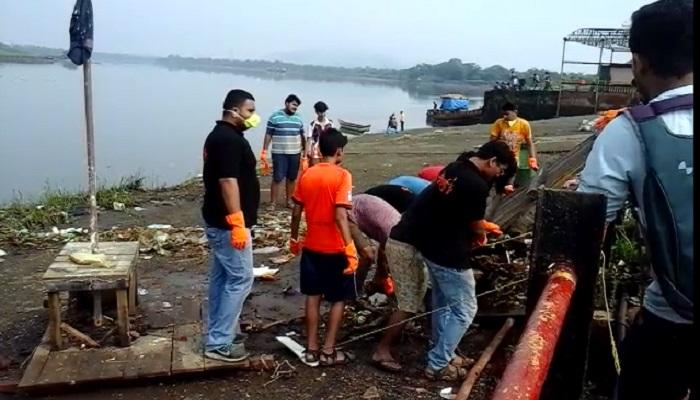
(176, 273)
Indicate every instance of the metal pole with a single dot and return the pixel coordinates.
(92, 178)
(561, 77)
(527, 370)
(597, 84)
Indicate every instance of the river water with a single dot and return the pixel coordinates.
(150, 120)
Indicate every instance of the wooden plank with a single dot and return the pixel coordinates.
(74, 285)
(133, 292)
(69, 270)
(188, 350)
(55, 320)
(123, 317)
(519, 204)
(108, 248)
(109, 258)
(60, 367)
(151, 355)
(37, 362)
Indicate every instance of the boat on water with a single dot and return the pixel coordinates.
(453, 111)
(350, 128)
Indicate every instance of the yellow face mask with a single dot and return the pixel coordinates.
(252, 121)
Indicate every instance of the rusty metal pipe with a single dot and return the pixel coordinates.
(528, 367)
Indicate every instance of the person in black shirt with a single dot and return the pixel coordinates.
(398, 196)
(441, 226)
(230, 209)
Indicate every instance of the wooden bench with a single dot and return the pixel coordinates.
(65, 276)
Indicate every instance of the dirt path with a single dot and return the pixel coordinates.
(182, 276)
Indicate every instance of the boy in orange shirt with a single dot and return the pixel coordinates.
(515, 131)
(329, 258)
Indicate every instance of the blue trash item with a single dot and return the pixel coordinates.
(81, 32)
(413, 183)
(451, 104)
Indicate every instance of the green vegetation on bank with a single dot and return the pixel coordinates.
(55, 207)
(452, 73)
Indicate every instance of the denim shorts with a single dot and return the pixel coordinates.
(285, 166)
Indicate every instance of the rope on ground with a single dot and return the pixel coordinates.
(373, 332)
(522, 235)
(613, 345)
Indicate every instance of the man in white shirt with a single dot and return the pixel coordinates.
(656, 355)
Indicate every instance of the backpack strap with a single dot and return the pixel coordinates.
(646, 112)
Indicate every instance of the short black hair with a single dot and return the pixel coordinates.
(331, 141)
(236, 97)
(509, 107)
(500, 150)
(292, 98)
(662, 32)
(320, 106)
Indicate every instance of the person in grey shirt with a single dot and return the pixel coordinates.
(656, 355)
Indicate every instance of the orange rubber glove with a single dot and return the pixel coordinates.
(353, 261)
(479, 240)
(239, 235)
(387, 285)
(304, 163)
(264, 165)
(532, 162)
(490, 227)
(295, 246)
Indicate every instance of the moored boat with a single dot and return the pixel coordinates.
(351, 128)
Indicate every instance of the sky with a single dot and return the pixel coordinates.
(379, 33)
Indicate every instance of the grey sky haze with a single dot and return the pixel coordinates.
(390, 33)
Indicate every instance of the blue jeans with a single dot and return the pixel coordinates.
(285, 166)
(230, 281)
(455, 290)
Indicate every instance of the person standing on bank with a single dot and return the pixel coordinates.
(231, 198)
(402, 119)
(515, 132)
(647, 155)
(328, 255)
(285, 131)
(319, 126)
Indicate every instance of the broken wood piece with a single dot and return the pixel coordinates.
(485, 357)
(87, 340)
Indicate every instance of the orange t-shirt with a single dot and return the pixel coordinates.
(320, 190)
(514, 136)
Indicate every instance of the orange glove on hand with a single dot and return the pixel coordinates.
(387, 285)
(532, 162)
(353, 261)
(265, 166)
(304, 163)
(239, 236)
(295, 246)
(490, 227)
(480, 240)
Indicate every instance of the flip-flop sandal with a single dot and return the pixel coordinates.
(311, 356)
(387, 365)
(334, 360)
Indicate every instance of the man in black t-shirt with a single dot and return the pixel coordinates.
(441, 227)
(231, 199)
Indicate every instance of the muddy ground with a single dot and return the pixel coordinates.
(181, 276)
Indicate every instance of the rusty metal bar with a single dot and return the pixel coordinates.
(527, 370)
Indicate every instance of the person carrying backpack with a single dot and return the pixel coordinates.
(648, 155)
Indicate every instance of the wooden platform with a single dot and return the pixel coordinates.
(164, 352)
